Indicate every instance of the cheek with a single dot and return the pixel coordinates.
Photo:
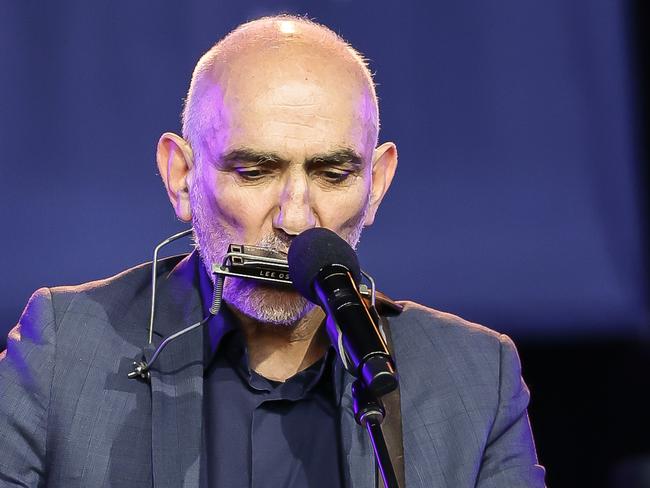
(343, 208)
(242, 210)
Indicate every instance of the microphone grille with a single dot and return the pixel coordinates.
(314, 249)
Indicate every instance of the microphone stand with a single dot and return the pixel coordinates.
(369, 412)
(375, 370)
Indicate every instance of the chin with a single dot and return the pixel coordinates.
(266, 303)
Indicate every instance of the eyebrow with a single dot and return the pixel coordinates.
(252, 156)
(336, 157)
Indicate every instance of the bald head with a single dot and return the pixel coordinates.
(274, 66)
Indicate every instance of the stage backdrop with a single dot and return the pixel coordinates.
(517, 200)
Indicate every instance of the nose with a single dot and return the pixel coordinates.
(295, 213)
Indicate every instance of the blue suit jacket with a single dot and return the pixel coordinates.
(69, 417)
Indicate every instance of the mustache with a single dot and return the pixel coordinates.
(277, 241)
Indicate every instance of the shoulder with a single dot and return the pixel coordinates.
(418, 322)
(425, 335)
(121, 301)
(120, 291)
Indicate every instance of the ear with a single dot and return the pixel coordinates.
(384, 164)
(175, 161)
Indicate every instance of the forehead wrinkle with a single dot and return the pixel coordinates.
(297, 105)
(293, 123)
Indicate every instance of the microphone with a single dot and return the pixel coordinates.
(325, 270)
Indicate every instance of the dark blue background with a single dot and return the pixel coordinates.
(518, 201)
(517, 197)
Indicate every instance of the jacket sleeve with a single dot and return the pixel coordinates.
(26, 372)
(509, 458)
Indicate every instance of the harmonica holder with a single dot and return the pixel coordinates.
(241, 261)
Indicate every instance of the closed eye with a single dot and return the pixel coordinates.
(252, 173)
(333, 176)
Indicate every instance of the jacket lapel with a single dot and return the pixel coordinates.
(177, 379)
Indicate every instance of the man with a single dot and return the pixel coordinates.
(280, 135)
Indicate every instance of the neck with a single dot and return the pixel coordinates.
(278, 352)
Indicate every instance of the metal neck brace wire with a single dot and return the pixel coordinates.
(242, 261)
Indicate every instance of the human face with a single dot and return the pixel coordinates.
(290, 150)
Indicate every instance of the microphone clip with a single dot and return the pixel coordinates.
(140, 371)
